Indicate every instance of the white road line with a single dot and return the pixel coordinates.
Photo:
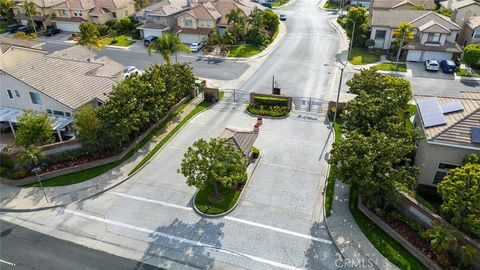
(179, 239)
(280, 230)
(251, 223)
(151, 201)
(5, 262)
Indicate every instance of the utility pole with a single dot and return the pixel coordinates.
(339, 88)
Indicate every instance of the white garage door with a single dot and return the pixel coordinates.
(190, 38)
(437, 55)
(414, 55)
(152, 32)
(68, 27)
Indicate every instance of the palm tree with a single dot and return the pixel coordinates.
(404, 32)
(234, 17)
(90, 36)
(6, 9)
(442, 240)
(30, 11)
(139, 4)
(167, 45)
(30, 156)
(255, 19)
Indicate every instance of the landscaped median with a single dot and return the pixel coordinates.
(391, 67)
(269, 105)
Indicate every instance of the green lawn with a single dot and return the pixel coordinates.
(360, 56)
(200, 107)
(203, 203)
(122, 41)
(329, 5)
(463, 72)
(386, 245)
(280, 3)
(391, 67)
(412, 109)
(331, 175)
(88, 174)
(243, 50)
(3, 28)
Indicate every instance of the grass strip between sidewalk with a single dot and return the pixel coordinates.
(87, 174)
(200, 107)
(386, 245)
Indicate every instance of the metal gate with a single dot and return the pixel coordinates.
(235, 95)
(309, 104)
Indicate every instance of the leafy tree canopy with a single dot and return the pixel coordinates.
(90, 36)
(34, 128)
(471, 54)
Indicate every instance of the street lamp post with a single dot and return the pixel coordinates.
(344, 65)
(351, 38)
(176, 53)
(35, 169)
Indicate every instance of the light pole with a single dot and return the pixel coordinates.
(176, 53)
(35, 169)
(351, 38)
(342, 68)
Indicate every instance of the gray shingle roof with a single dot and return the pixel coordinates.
(242, 139)
(418, 18)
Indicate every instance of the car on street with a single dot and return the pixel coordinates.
(12, 28)
(148, 40)
(431, 65)
(283, 17)
(448, 66)
(196, 46)
(129, 70)
(25, 29)
(52, 31)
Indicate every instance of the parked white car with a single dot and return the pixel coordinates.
(432, 65)
(196, 46)
(129, 70)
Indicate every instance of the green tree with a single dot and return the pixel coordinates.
(377, 164)
(90, 36)
(418, 6)
(34, 128)
(445, 12)
(87, 124)
(472, 158)
(30, 11)
(460, 192)
(6, 10)
(256, 19)
(404, 32)
(471, 54)
(271, 20)
(216, 163)
(371, 82)
(113, 34)
(139, 4)
(30, 156)
(234, 17)
(358, 15)
(442, 241)
(167, 45)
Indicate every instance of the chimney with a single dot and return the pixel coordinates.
(449, 4)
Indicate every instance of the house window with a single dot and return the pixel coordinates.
(67, 114)
(442, 171)
(114, 15)
(433, 38)
(188, 22)
(49, 111)
(476, 33)
(64, 12)
(35, 98)
(9, 92)
(59, 113)
(17, 93)
(380, 34)
(77, 13)
(380, 38)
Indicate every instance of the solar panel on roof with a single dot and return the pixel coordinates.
(454, 106)
(431, 112)
(475, 134)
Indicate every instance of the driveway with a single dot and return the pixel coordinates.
(278, 225)
(418, 70)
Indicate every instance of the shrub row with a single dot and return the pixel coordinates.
(270, 101)
(274, 111)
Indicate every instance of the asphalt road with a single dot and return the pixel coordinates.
(302, 63)
(205, 68)
(26, 249)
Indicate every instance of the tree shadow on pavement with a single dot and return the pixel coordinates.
(320, 255)
(183, 245)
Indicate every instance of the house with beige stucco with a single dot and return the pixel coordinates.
(43, 7)
(465, 13)
(451, 129)
(15, 51)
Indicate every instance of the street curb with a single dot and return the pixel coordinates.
(239, 200)
(110, 187)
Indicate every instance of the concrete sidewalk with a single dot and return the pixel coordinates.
(18, 199)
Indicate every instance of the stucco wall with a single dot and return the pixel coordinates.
(388, 35)
(24, 101)
(181, 21)
(458, 15)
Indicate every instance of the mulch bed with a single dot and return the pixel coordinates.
(72, 163)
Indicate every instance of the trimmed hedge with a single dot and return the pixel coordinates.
(274, 111)
(270, 101)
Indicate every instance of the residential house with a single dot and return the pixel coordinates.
(435, 34)
(225, 6)
(361, 3)
(71, 13)
(465, 13)
(451, 127)
(161, 17)
(56, 84)
(15, 51)
(401, 4)
(43, 7)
